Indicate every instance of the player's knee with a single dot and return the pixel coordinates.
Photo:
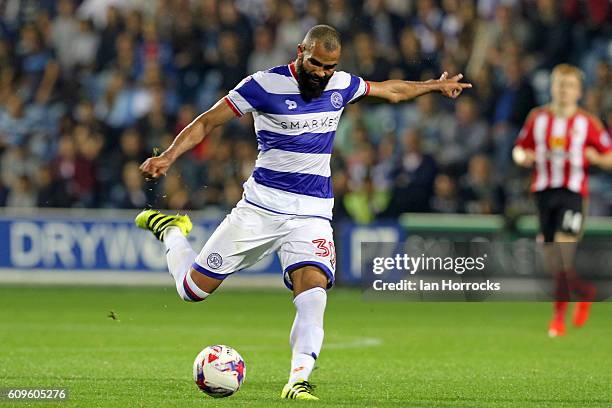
(204, 282)
(565, 237)
(197, 287)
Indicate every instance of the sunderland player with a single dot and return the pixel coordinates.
(560, 141)
(287, 202)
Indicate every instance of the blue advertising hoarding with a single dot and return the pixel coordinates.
(108, 241)
(58, 241)
(350, 236)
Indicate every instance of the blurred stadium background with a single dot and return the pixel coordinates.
(89, 88)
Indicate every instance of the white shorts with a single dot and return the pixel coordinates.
(249, 233)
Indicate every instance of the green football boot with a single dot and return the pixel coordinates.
(300, 390)
(157, 223)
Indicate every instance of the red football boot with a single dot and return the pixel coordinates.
(581, 313)
(556, 328)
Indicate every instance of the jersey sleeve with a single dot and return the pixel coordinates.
(246, 97)
(598, 136)
(358, 89)
(525, 137)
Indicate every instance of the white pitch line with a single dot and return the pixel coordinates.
(355, 343)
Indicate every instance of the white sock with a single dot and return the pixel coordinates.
(180, 257)
(307, 332)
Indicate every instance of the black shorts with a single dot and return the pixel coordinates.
(559, 210)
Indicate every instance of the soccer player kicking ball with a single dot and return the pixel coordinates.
(287, 202)
(560, 141)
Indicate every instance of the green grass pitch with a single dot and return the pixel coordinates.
(376, 354)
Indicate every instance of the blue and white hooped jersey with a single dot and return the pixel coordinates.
(295, 138)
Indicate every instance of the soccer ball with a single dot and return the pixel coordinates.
(219, 371)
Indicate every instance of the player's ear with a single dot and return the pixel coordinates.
(300, 49)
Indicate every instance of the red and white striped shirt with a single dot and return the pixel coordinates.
(559, 144)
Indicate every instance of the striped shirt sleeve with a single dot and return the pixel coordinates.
(359, 88)
(598, 137)
(525, 138)
(246, 97)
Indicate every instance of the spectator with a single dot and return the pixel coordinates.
(445, 198)
(412, 62)
(18, 162)
(84, 45)
(366, 59)
(80, 100)
(39, 69)
(51, 191)
(106, 52)
(551, 34)
(3, 194)
(21, 194)
(77, 173)
(64, 32)
(429, 118)
(340, 188)
(154, 51)
(366, 201)
(232, 65)
(289, 32)
(15, 124)
(515, 99)
(480, 193)
(265, 55)
(413, 178)
(467, 136)
(130, 193)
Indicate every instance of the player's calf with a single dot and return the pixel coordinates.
(172, 230)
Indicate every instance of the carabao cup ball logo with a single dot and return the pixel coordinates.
(336, 100)
(214, 261)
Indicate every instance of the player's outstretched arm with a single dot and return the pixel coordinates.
(189, 137)
(396, 90)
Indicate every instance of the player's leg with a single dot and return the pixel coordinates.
(569, 234)
(308, 259)
(306, 337)
(244, 237)
(548, 217)
(566, 244)
(191, 285)
(172, 230)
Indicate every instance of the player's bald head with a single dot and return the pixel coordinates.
(317, 58)
(322, 35)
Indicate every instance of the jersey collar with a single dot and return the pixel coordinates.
(293, 71)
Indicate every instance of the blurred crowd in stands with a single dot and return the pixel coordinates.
(90, 88)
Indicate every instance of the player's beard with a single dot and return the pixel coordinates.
(311, 86)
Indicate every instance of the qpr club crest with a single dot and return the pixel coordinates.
(214, 260)
(336, 100)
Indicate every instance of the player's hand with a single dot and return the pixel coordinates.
(451, 87)
(592, 155)
(523, 157)
(156, 166)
